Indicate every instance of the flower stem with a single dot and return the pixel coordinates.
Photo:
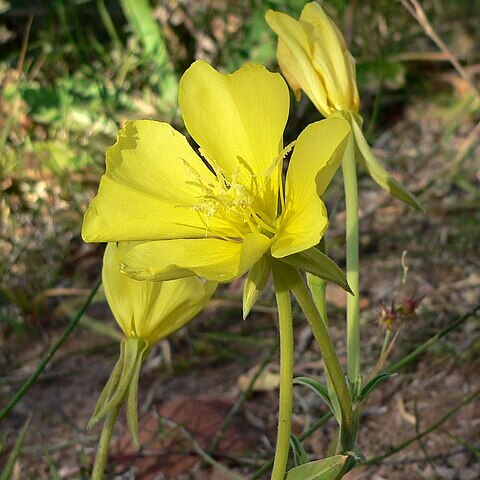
(353, 309)
(104, 444)
(306, 302)
(282, 293)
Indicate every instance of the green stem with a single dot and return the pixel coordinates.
(282, 293)
(432, 340)
(41, 367)
(313, 428)
(353, 309)
(388, 334)
(306, 302)
(104, 444)
(429, 430)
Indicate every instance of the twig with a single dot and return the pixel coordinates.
(417, 12)
(419, 436)
(420, 442)
(41, 366)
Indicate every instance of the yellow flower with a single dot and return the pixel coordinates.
(314, 58)
(151, 310)
(177, 215)
(146, 312)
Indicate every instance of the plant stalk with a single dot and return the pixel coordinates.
(306, 302)
(353, 308)
(104, 444)
(282, 293)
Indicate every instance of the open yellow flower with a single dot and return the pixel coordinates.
(313, 56)
(178, 215)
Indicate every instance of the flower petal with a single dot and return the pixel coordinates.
(237, 119)
(151, 310)
(294, 55)
(210, 258)
(317, 156)
(149, 188)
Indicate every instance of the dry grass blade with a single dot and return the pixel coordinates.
(417, 12)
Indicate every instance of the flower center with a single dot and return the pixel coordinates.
(247, 202)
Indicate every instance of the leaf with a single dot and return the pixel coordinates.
(301, 456)
(373, 384)
(17, 448)
(316, 262)
(325, 469)
(141, 20)
(317, 387)
(377, 172)
(254, 284)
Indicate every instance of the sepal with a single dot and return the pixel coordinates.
(316, 262)
(123, 384)
(254, 284)
(377, 172)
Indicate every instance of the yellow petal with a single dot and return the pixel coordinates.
(151, 310)
(115, 286)
(330, 57)
(210, 258)
(294, 55)
(149, 188)
(317, 156)
(236, 119)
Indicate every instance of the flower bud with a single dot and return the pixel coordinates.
(313, 57)
(151, 310)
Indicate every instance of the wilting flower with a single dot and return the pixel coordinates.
(177, 215)
(313, 57)
(146, 312)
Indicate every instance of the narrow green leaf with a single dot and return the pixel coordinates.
(142, 21)
(300, 454)
(15, 453)
(377, 172)
(325, 469)
(373, 384)
(254, 284)
(317, 387)
(316, 262)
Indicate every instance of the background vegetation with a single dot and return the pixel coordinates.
(71, 72)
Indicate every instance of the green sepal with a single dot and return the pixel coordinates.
(300, 455)
(318, 288)
(325, 469)
(109, 388)
(316, 262)
(132, 396)
(377, 172)
(132, 350)
(254, 284)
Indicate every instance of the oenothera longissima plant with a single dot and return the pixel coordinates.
(146, 312)
(177, 215)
